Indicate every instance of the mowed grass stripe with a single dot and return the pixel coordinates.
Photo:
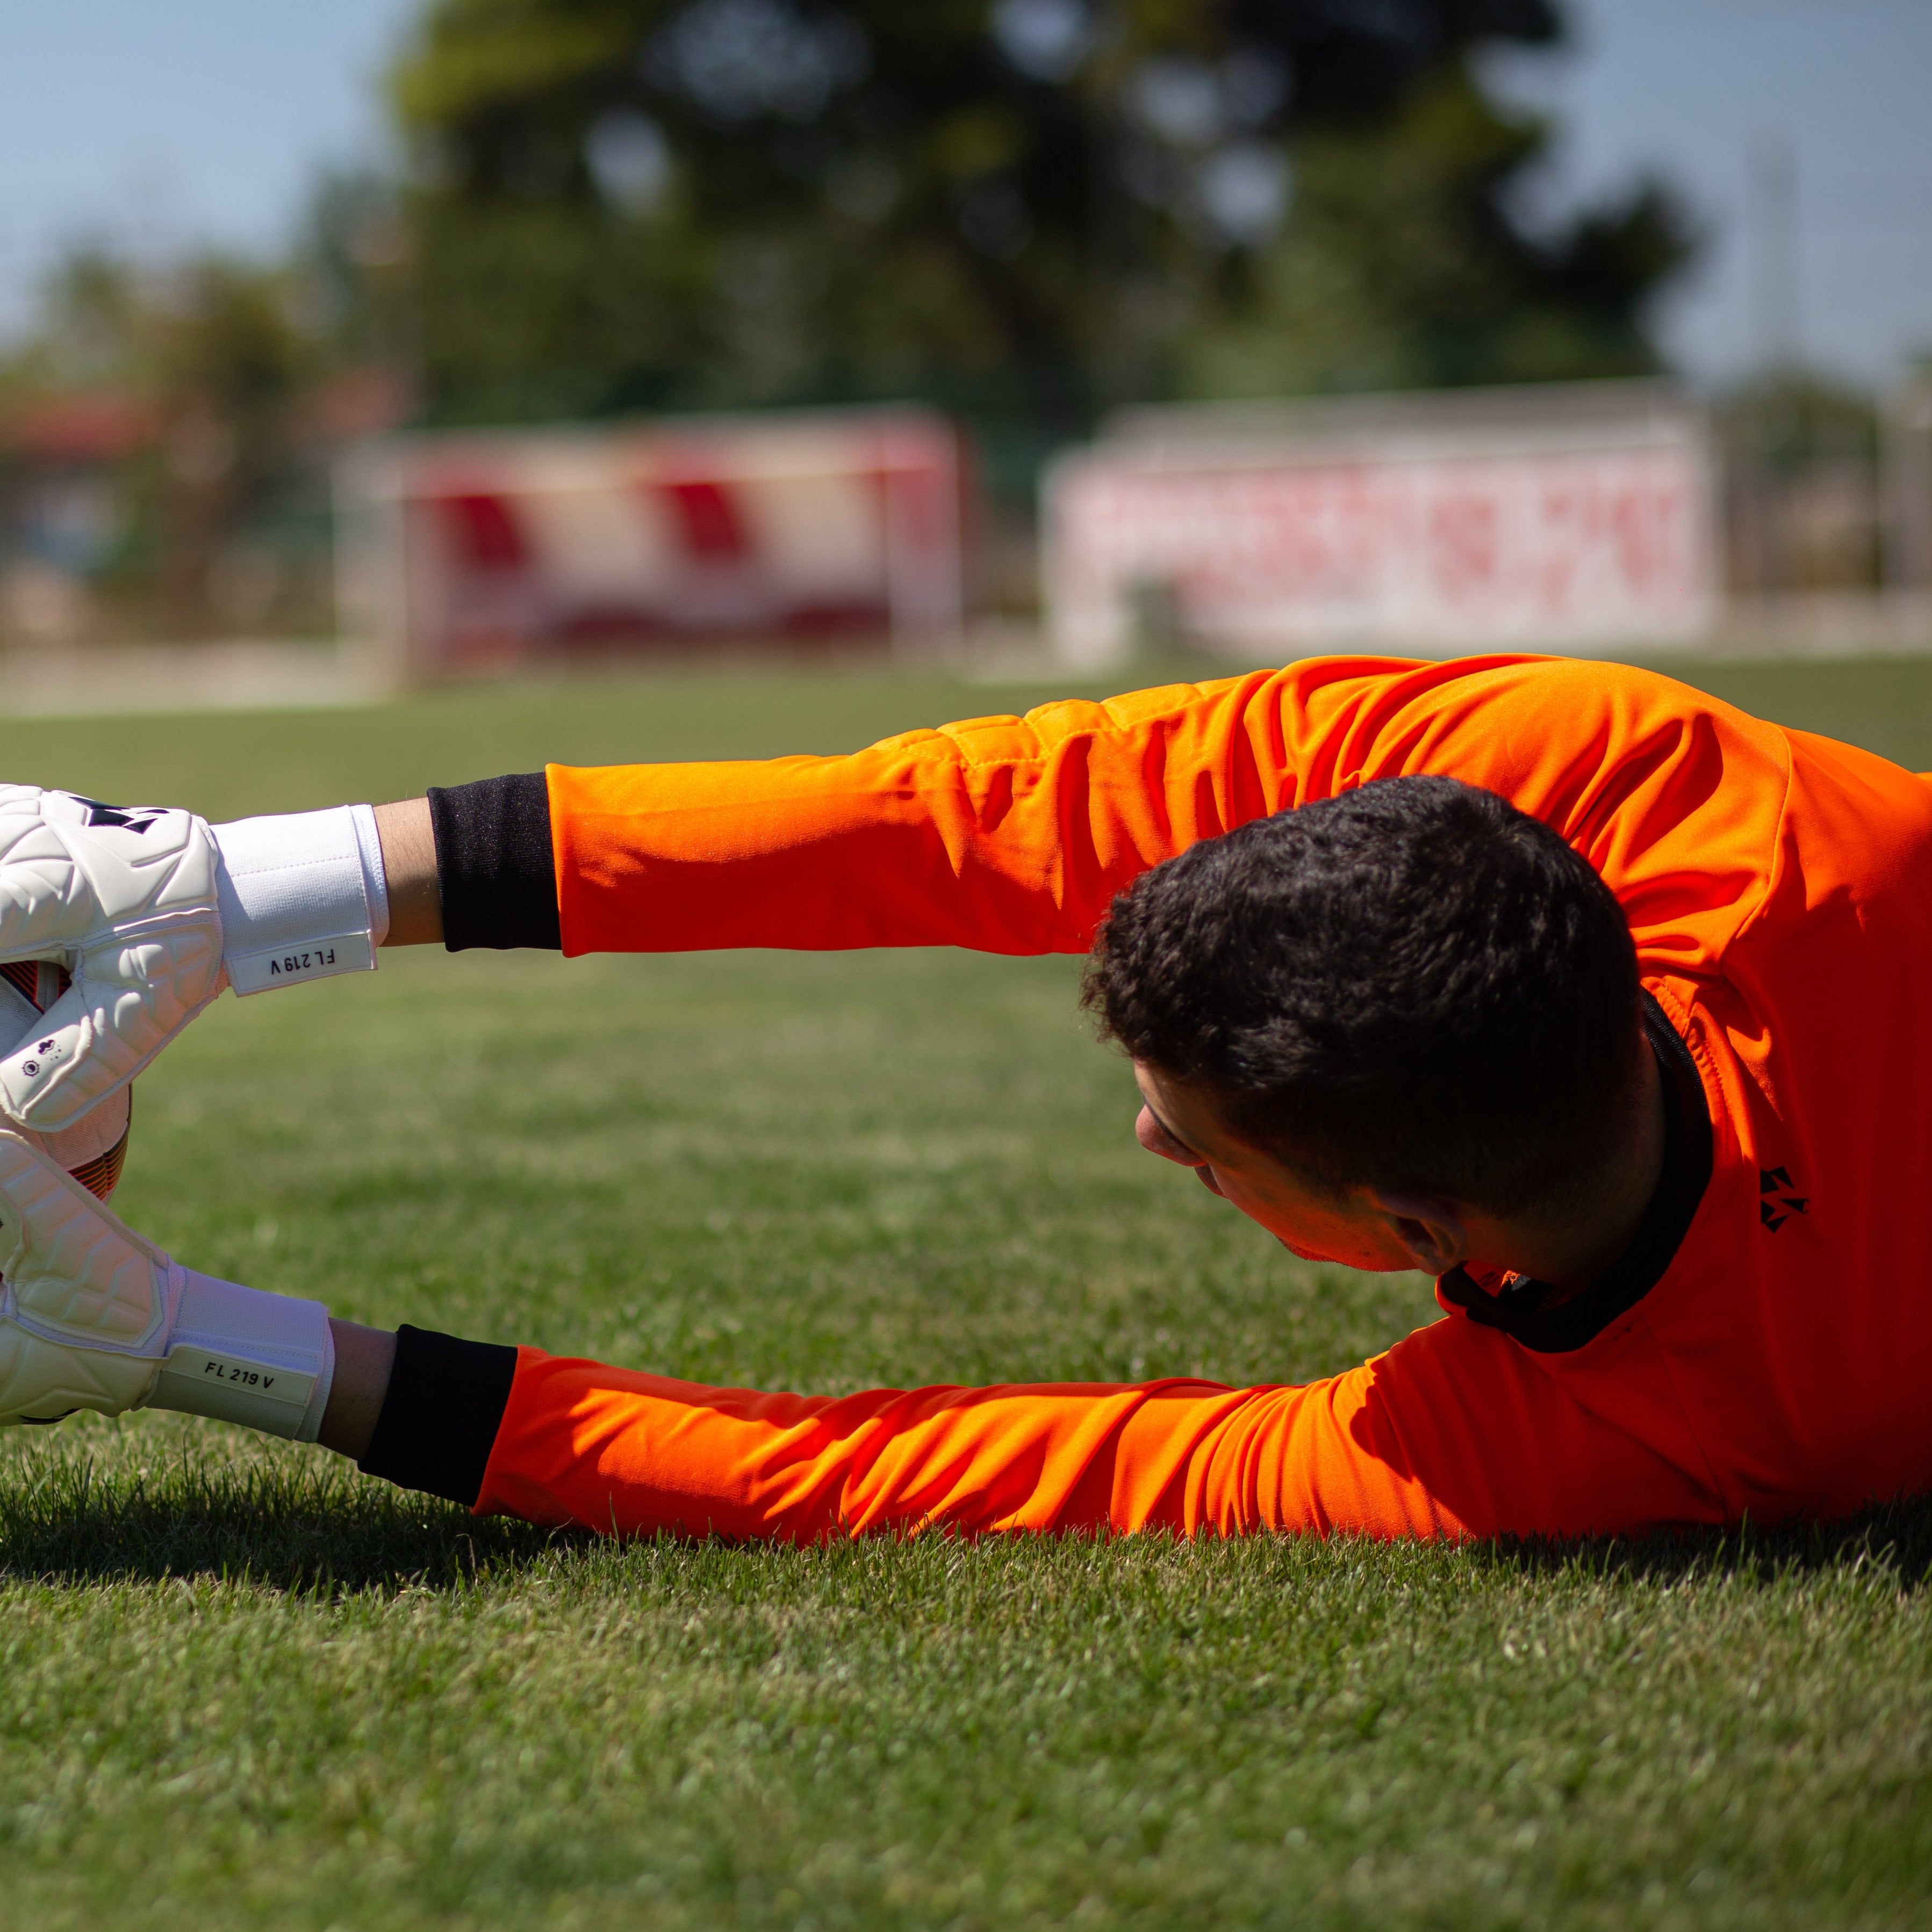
(240, 1685)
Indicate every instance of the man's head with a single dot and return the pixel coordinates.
(1413, 989)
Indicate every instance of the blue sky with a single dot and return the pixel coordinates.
(207, 119)
(1689, 88)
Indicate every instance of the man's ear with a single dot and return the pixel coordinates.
(1425, 1225)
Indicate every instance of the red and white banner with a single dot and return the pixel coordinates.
(1451, 541)
(467, 549)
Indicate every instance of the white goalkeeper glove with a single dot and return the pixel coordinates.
(126, 901)
(153, 911)
(91, 1316)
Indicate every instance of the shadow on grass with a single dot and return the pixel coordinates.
(321, 1529)
(310, 1530)
(1895, 1537)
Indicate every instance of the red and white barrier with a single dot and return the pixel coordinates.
(1440, 524)
(464, 550)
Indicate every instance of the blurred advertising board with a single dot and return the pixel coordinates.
(473, 550)
(1569, 518)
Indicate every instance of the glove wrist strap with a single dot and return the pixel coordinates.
(239, 1354)
(302, 896)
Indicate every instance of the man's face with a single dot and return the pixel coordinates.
(1178, 1122)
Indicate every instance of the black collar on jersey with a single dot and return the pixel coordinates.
(1523, 1310)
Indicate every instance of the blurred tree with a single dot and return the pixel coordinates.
(1025, 209)
(356, 260)
(206, 367)
(1400, 266)
(231, 363)
(1801, 469)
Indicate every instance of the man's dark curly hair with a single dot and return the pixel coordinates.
(1412, 986)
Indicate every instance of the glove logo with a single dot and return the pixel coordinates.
(48, 1050)
(135, 818)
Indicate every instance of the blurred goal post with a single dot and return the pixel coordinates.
(472, 550)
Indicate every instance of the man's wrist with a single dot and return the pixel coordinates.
(408, 841)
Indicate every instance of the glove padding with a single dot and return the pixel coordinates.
(85, 1303)
(125, 900)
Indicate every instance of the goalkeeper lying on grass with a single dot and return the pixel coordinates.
(1604, 1003)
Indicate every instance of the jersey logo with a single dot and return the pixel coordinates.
(1776, 1203)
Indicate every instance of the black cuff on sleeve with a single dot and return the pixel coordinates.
(494, 867)
(440, 1419)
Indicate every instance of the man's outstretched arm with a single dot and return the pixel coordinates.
(1008, 835)
(1013, 835)
(1444, 1436)
(1455, 1431)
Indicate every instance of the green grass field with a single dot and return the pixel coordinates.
(240, 1685)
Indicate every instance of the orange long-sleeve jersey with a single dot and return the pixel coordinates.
(1763, 1348)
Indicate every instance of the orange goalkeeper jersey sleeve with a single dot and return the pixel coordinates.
(1761, 1350)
